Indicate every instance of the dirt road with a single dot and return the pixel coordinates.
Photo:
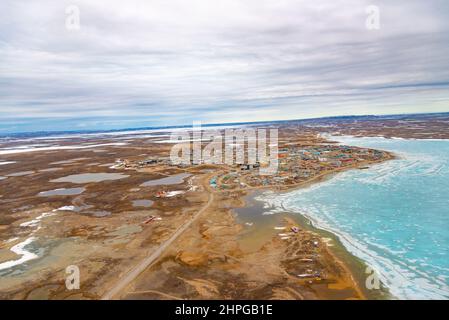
(137, 270)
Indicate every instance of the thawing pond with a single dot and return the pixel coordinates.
(20, 174)
(175, 179)
(50, 170)
(91, 177)
(62, 192)
(142, 203)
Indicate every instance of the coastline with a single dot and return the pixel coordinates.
(353, 265)
(207, 254)
(214, 232)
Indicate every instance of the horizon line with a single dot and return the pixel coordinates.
(55, 132)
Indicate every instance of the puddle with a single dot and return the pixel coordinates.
(98, 214)
(175, 179)
(62, 192)
(143, 203)
(80, 159)
(20, 174)
(91, 177)
(63, 162)
(70, 161)
(125, 230)
(107, 164)
(50, 169)
(2, 163)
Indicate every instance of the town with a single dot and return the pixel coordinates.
(296, 165)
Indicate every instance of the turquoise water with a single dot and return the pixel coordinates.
(394, 215)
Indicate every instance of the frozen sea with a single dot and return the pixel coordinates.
(394, 215)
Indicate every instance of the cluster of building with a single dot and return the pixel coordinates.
(128, 164)
(298, 164)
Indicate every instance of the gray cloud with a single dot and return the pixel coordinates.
(165, 62)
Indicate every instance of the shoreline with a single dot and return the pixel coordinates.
(218, 242)
(354, 266)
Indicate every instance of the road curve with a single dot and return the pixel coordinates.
(145, 263)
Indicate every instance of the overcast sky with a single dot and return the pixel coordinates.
(142, 63)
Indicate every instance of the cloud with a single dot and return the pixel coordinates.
(164, 62)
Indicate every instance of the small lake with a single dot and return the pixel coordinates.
(91, 177)
(142, 203)
(20, 174)
(62, 192)
(50, 170)
(2, 163)
(175, 179)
